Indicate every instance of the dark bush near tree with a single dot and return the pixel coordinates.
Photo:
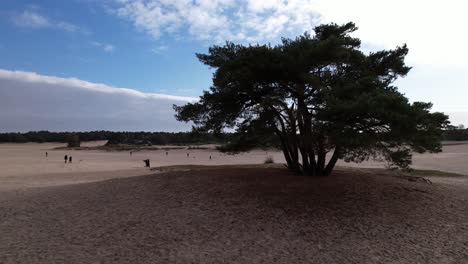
(319, 94)
(73, 141)
(269, 160)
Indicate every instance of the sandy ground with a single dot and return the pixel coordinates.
(453, 158)
(25, 165)
(95, 211)
(237, 216)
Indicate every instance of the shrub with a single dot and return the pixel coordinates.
(73, 141)
(269, 160)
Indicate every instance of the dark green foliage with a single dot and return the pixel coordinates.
(318, 94)
(46, 136)
(164, 138)
(256, 135)
(73, 141)
(131, 138)
(456, 134)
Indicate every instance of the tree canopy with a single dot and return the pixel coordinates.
(320, 95)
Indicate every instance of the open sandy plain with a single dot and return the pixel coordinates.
(105, 207)
(25, 165)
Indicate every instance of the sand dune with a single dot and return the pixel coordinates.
(237, 216)
(95, 211)
(25, 165)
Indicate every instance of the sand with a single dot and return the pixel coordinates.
(25, 165)
(453, 158)
(100, 209)
(237, 216)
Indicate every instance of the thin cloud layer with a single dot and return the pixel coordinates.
(105, 47)
(29, 101)
(34, 20)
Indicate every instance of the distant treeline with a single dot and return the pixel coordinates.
(456, 134)
(167, 138)
(138, 138)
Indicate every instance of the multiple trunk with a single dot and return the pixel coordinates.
(307, 162)
(304, 146)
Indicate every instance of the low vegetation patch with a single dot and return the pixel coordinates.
(375, 171)
(431, 173)
(269, 160)
(197, 147)
(215, 167)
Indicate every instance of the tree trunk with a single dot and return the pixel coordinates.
(321, 156)
(331, 164)
(305, 162)
(311, 169)
(291, 159)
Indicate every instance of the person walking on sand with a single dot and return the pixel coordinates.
(187, 155)
(46, 154)
(70, 159)
(65, 158)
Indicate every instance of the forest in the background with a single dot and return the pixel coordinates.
(170, 138)
(456, 134)
(133, 138)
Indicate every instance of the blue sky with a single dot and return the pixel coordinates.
(149, 46)
(135, 59)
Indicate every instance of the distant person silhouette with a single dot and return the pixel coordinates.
(167, 153)
(65, 158)
(187, 155)
(46, 154)
(147, 162)
(70, 159)
(210, 157)
(131, 152)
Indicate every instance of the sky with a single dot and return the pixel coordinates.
(120, 65)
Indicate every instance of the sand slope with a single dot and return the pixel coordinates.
(237, 216)
(25, 165)
(52, 212)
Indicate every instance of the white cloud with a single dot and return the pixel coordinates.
(160, 49)
(219, 20)
(31, 20)
(458, 118)
(34, 20)
(108, 48)
(105, 47)
(66, 26)
(29, 101)
(433, 29)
